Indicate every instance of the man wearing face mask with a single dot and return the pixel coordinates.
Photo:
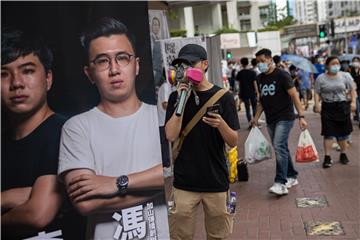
(278, 96)
(333, 89)
(200, 170)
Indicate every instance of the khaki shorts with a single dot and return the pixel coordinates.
(182, 217)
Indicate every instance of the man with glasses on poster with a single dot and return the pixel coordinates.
(110, 157)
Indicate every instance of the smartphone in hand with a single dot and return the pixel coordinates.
(213, 109)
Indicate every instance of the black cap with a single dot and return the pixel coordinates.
(190, 53)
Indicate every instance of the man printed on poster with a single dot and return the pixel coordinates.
(158, 30)
(110, 158)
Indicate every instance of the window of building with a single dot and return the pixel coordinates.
(244, 11)
(245, 25)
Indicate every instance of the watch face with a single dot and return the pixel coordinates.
(123, 180)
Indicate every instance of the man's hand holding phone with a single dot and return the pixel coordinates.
(213, 117)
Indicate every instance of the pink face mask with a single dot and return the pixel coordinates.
(194, 75)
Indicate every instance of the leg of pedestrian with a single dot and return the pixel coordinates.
(327, 148)
(279, 133)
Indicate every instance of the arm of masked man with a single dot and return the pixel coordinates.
(91, 193)
(39, 209)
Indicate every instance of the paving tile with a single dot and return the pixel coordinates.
(324, 228)
(311, 202)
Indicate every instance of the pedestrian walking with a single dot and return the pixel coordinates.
(162, 103)
(336, 92)
(248, 88)
(305, 80)
(277, 98)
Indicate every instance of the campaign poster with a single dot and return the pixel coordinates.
(170, 48)
(158, 30)
(60, 24)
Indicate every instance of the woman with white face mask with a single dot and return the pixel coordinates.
(355, 73)
(333, 88)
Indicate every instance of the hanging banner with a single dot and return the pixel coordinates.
(158, 30)
(171, 47)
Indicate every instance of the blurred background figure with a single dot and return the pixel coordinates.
(355, 73)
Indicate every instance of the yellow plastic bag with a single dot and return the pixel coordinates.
(232, 156)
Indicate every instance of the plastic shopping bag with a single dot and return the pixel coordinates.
(232, 156)
(257, 148)
(306, 150)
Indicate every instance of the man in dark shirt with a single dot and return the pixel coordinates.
(31, 196)
(277, 98)
(247, 83)
(200, 170)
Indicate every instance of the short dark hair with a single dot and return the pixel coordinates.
(329, 59)
(253, 62)
(244, 61)
(355, 58)
(277, 59)
(105, 27)
(292, 67)
(16, 43)
(266, 52)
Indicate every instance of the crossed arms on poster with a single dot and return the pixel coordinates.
(31, 207)
(91, 193)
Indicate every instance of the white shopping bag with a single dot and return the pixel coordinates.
(257, 148)
(306, 150)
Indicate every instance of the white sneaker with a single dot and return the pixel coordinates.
(279, 189)
(291, 182)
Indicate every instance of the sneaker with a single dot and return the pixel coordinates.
(291, 182)
(327, 162)
(343, 158)
(279, 189)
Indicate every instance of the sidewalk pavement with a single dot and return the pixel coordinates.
(261, 215)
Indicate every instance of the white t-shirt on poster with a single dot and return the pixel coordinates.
(113, 147)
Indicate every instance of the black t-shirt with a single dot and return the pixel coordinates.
(35, 155)
(246, 78)
(274, 97)
(201, 163)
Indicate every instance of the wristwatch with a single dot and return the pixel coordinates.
(301, 116)
(122, 184)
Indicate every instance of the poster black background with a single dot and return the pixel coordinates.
(60, 23)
